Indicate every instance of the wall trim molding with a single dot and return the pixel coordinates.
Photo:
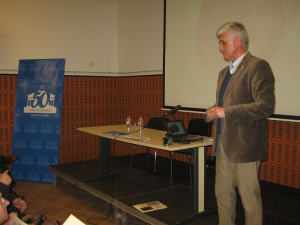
(100, 74)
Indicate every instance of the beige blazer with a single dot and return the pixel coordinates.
(248, 100)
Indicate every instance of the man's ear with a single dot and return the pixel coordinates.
(238, 41)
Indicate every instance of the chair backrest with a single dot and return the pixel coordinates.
(198, 126)
(157, 123)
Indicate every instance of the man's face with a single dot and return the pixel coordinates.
(3, 209)
(227, 47)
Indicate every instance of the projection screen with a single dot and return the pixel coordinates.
(192, 60)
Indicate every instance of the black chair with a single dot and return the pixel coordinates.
(196, 126)
(157, 123)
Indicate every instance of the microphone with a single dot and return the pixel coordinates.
(173, 110)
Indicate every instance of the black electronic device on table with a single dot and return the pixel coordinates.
(179, 133)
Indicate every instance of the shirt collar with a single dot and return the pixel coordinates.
(234, 65)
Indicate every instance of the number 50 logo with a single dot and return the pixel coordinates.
(40, 102)
(41, 99)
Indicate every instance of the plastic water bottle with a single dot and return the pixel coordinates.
(141, 123)
(128, 122)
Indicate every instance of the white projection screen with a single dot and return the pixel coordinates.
(192, 60)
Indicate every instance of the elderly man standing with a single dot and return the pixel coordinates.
(244, 99)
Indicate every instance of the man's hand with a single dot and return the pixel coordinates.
(20, 204)
(5, 178)
(215, 113)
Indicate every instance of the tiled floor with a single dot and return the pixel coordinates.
(281, 204)
(57, 203)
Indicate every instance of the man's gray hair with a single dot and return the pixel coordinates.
(234, 30)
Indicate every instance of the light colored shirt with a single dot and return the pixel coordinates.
(234, 65)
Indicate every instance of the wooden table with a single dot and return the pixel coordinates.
(154, 139)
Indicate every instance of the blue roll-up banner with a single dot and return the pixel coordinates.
(36, 132)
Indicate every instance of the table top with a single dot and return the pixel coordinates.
(146, 137)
